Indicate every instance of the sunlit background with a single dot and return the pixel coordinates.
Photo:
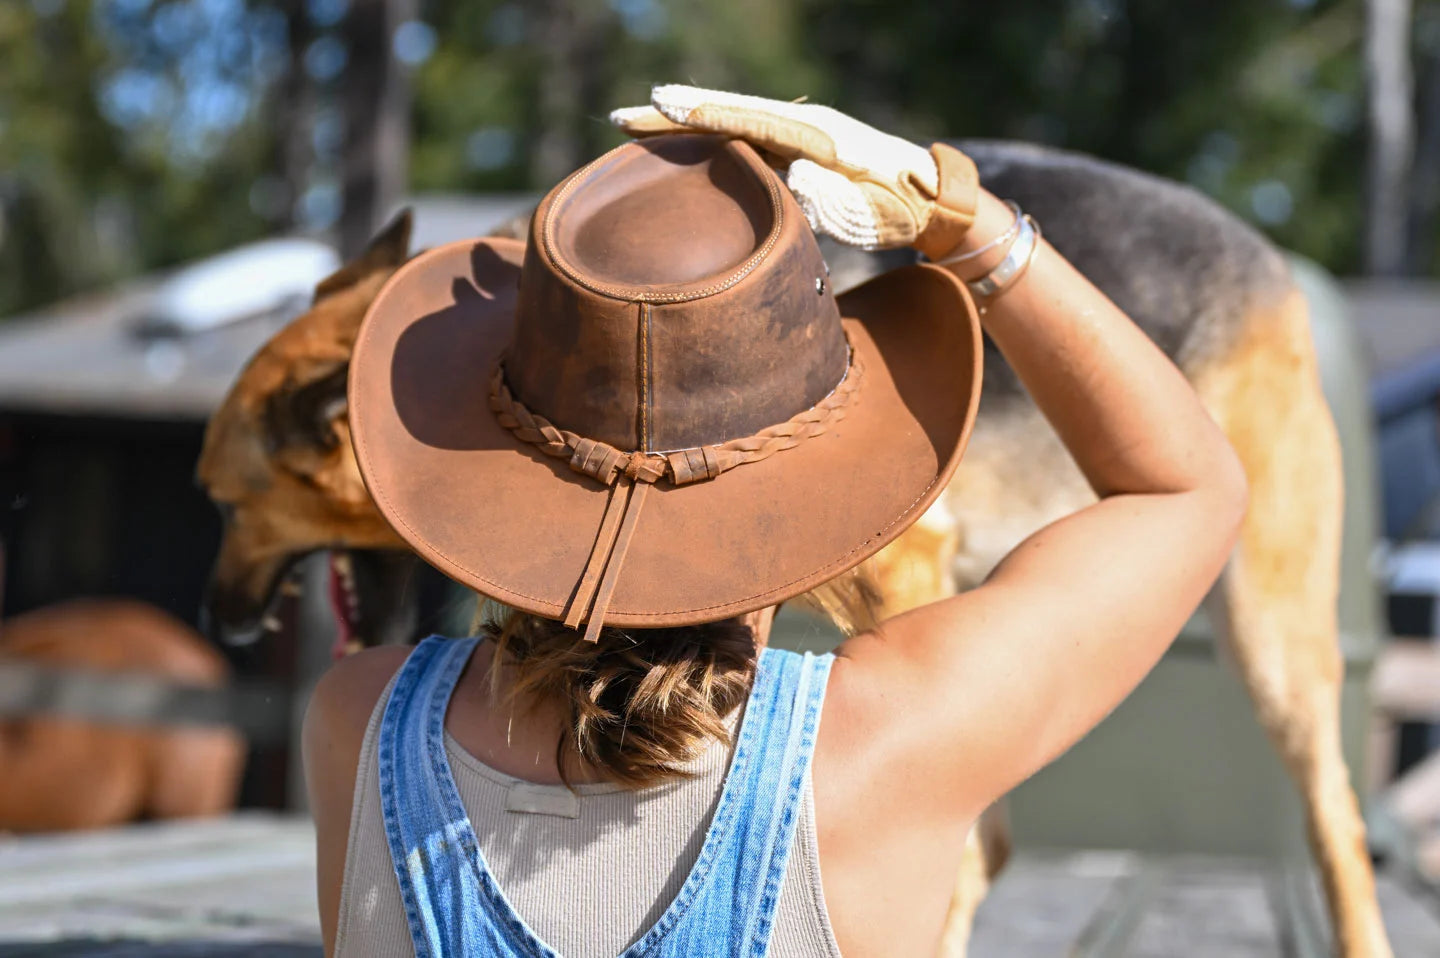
(137, 134)
(176, 176)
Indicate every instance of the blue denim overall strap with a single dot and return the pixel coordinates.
(726, 905)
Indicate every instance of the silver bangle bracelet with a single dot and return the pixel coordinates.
(1001, 240)
(1013, 266)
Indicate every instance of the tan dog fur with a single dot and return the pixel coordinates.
(69, 773)
(283, 474)
(1276, 600)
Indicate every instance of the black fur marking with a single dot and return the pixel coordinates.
(303, 414)
(1186, 270)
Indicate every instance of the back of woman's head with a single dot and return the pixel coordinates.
(643, 704)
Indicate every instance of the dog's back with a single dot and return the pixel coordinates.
(1210, 291)
(64, 773)
(1187, 271)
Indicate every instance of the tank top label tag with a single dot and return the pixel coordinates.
(542, 800)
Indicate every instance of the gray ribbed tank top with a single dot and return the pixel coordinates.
(589, 871)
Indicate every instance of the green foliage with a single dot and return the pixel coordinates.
(1258, 103)
(51, 138)
(85, 201)
(497, 63)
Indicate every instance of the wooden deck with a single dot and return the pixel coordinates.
(243, 886)
(197, 887)
(1091, 904)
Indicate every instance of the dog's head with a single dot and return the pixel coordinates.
(277, 461)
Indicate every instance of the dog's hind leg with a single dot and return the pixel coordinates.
(1276, 601)
(987, 848)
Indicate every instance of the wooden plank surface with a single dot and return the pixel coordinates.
(248, 878)
(1092, 904)
(244, 886)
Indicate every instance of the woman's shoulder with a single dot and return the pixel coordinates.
(331, 740)
(346, 695)
(337, 716)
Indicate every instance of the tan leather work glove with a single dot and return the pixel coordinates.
(863, 187)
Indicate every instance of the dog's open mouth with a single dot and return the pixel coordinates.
(236, 616)
(345, 603)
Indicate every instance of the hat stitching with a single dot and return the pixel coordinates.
(645, 296)
(656, 615)
(647, 399)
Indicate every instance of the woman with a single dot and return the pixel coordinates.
(656, 423)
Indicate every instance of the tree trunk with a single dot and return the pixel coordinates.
(1425, 191)
(557, 147)
(376, 102)
(294, 114)
(573, 38)
(1392, 135)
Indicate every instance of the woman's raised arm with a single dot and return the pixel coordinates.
(1073, 618)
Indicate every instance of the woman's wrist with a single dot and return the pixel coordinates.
(993, 220)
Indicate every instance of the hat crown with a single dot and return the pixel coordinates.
(672, 296)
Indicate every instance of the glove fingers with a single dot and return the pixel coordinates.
(800, 130)
(895, 222)
(863, 187)
(643, 121)
(640, 121)
(785, 129)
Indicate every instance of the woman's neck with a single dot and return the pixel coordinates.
(760, 623)
(514, 737)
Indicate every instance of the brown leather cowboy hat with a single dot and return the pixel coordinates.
(667, 338)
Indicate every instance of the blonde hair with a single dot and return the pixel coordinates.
(643, 703)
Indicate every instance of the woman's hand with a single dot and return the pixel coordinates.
(863, 187)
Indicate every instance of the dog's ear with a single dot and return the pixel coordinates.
(304, 414)
(387, 251)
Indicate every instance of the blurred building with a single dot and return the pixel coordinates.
(103, 406)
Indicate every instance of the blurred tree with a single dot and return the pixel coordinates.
(1257, 103)
(292, 111)
(1425, 185)
(55, 154)
(1391, 84)
(138, 133)
(129, 137)
(517, 94)
(376, 113)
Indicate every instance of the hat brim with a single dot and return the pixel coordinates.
(499, 517)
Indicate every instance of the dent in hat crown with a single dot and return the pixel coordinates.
(673, 296)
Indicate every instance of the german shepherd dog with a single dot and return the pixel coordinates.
(1212, 293)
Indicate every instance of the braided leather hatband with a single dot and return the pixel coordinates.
(630, 474)
(605, 463)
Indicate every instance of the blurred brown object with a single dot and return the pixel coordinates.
(63, 772)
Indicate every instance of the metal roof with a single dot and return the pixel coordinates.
(89, 355)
